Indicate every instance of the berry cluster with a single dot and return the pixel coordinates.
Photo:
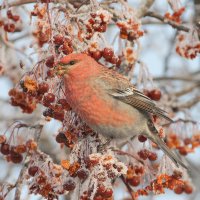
(14, 153)
(66, 138)
(104, 169)
(163, 181)
(26, 102)
(106, 53)
(97, 22)
(130, 29)
(176, 16)
(144, 154)
(63, 44)
(10, 26)
(134, 174)
(46, 178)
(185, 146)
(188, 46)
(43, 33)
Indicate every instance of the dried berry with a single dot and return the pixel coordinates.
(43, 88)
(50, 62)
(82, 173)
(142, 138)
(61, 138)
(107, 53)
(69, 185)
(32, 170)
(16, 157)
(5, 149)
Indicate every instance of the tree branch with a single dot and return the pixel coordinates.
(166, 21)
(144, 8)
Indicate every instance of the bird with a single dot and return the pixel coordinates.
(108, 103)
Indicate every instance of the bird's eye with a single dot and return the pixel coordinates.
(72, 62)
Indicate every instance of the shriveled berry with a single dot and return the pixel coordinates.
(16, 157)
(9, 27)
(32, 170)
(61, 138)
(131, 36)
(43, 88)
(49, 98)
(50, 62)
(142, 138)
(82, 173)
(48, 112)
(64, 104)
(5, 149)
(21, 148)
(58, 39)
(187, 141)
(69, 185)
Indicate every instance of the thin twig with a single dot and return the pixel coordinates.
(19, 181)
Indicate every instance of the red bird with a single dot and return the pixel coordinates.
(109, 103)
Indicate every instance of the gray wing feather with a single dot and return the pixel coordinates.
(138, 100)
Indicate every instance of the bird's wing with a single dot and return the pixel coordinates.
(138, 100)
(120, 88)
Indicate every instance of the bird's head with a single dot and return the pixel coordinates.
(70, 62)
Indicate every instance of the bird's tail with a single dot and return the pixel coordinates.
(177, 161)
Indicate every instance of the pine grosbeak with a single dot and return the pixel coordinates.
(108, 102)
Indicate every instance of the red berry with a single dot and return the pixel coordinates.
(188, 189)
(9, 14)
(187, 141)
(9, 27)
(43, 88)
(107, 193)
(178, 189)
(82, 173)
(64, 104)
(50, 73)
(69, 185)
(50, 62)
(32, 170)
(108, 53)
(16, 157)
(102, 28)
(183, 151)
(134, 181)
(15, 18)
(143, 154)
(96, 54)
(61, 138)
(152, 156)
(5, 149)
(58, 39)
(142, 138)
(49, 98)
(155, 94)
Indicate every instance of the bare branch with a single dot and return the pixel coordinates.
(166, 21)
(144, 8)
